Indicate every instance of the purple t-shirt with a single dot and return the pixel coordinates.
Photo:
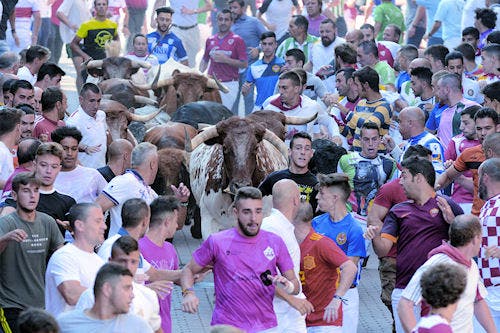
(241, 299)
(164, 257)
(313, 28)
(416, 230)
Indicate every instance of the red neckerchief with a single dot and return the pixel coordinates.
(279, 104)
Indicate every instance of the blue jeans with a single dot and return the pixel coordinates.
(248, 99)
(435, 41)
(4, 47)
(55, 44)
(135, 21)
(44, 33)
(417, 37)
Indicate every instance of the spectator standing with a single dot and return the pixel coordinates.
(136, 14)
(277, 15)
(10, 122)
(119, 156)
(23, 33)
(368, 56)
(314, 16)
(299, 38)
(387, 12)
(446, 16)
(36, 56)
(54, 106)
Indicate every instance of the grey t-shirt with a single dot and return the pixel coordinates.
(77, 321)
(23, 265)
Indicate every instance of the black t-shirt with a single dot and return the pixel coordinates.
(107, 173)
(306, 182)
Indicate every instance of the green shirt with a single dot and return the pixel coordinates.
(387, 13)
(291, 43)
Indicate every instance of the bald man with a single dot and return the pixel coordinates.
(354, 37)
(119, 154)
(412, 129)
(290, 310)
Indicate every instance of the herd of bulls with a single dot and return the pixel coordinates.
(202, 144)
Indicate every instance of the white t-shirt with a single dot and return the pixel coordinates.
(93, 134)
(462, 318)
(279, 13)
(69, 263)
(145, 304)
(321, 56)
(6, 162)
(120, 189)
(105, 253)
(23, 73)
(77, 12)
(471, 90)
(82, 184)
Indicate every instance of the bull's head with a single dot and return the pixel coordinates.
(276, 121)
(239, 138)
(115, 67)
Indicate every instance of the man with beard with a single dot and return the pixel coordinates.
(489, 190)
(27, 121)
(421, 222)
(162, 43)
(264, 73)
(54, 106)
(27, 238)
(487, 122)
(322, 57)
(245, 260)
(81, 183)
(21, 92)
(73, 268)
(348, 95)
(225, 53)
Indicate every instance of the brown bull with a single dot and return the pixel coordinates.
(126, 93)
(171, 135)
(115, 67)
(276, 121)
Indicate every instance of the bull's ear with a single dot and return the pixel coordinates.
(259, 131)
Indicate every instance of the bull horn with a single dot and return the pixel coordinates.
(290, 120)
(143, 64)
(95, 64)
(142, 118)
(276, 142)
(216, 84)
(187, 142)
(202, 126)
(106, 96)
(145, 100)
(163, 83)
(209, 133)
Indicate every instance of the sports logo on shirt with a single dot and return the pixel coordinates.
(230, 41)
(102, 38)
(434, 212)
(341, 238)
(470, 92)
(276, 68)
(269, 253)
(309, 262)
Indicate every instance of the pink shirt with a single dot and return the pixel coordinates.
(164, 257)
(231, 45)
(444, 132)
(241, 298)
(46, 126)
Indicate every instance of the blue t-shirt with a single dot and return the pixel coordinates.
(167, 47)
(346, 233)
(264, 76)
(435, 116)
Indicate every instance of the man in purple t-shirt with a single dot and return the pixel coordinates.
(244, 260)
(417, 225)
(226, 53)
(160, 254)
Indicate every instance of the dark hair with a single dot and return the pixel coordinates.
(397, 30)
(346, 52)
(167, 10)
(418, 151)
(293, 76)
(487, 113)
(493, 37)
(7, 85)
(80, 211)
(336, 180)
(369, 125)
(8, 59)
(452, 56)
(50, 97)
(467, 51)
(442, 284)
(486, 16)
(369, 47)
(302, 75)
(491, 167)
(28, 153)
(492, 91)
(24, 178)
(348, 71)
(423, 73)
(368, 74)
(107, 273)
(65, 131)
(33, 320)
(137, 36)
(300, 135)
(20, 84)
(35, 52)
(471, 31)
(494, 49)
(161, 207)
(471, 111)
(368, 26)
(329, 20)
(50, 148)
(452, 81)
(417, 165)
(126, 244)
(247, 192)
(9, 118)
(26, 108)
(50, 69)
(409, 51)
(267, 34)
(301, 21)
(225, 11)
(463, 230)
(90, 86)
(297, 54)
(240, 2)
(133, 212)
(437, 52)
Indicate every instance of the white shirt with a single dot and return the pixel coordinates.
(82, 184)
(93, 133)
(23, 73)
(69, 263)
(105, 253)
(321, 56)
(77, 12)
(6, 162)
(120, 189)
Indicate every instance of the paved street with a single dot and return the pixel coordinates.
(374, 317)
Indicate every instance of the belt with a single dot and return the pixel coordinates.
(185, 28)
